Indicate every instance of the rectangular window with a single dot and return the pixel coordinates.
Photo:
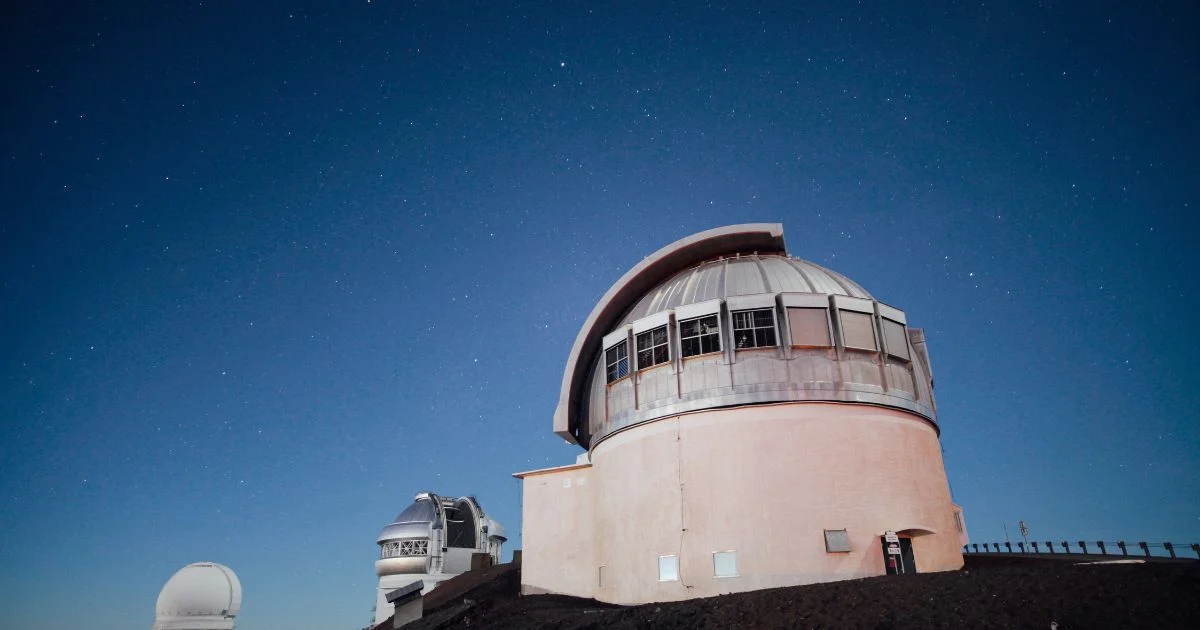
(652, 348)
(858, 330)
(668, 568)
(836, 540)
(754, 329)
(600, 576)
(809, 327)
(958, 521)
(617, 360)
(725, 564)
(699, 336)
(895, 338)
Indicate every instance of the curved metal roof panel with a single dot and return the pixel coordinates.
(415, 521)
(421, 511)
(743, 275)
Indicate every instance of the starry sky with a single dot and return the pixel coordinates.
(269, 269)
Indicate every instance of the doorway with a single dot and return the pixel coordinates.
(898, 556)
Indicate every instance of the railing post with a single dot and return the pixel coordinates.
(997, 546)
(1103, 551)
(1083, 546)
(965, 550)
(1035, 548)
(1145, 548)
(1008, 545)
(1196, 549)
(976, 546)
(1170, 548)
(1050, 546)
(1021, 546)
(1066, 547)
(1121, 544)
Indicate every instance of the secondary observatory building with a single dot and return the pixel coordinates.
(200, 596)
(751, 420)
(433, 540)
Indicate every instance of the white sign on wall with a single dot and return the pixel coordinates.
(891, 537)
(894, 550)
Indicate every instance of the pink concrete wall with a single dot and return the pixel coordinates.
(765, 481)
(557, 533)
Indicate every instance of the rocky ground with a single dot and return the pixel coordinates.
(991, 592)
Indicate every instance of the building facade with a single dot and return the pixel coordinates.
(751, 420)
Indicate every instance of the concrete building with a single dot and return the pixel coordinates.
(431, 541)
(750, 420)
(200, 596)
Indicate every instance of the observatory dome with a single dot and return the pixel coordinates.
(200, 596)
(433, 539)
(720, 372)
(727, 318)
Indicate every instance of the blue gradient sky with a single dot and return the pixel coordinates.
(270, 269)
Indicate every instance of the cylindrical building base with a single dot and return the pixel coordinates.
(742, 498)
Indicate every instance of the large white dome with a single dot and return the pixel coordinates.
(200, 596)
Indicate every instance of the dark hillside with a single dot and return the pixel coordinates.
(987, 594)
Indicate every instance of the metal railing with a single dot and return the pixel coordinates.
(1101, 548)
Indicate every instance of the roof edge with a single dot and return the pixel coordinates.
(546, 471)
(652, 270)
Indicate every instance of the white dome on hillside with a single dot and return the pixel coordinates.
(200, 596)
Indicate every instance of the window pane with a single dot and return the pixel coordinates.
(754, 329)
(616, 361)
(809, 326)
(858, 330)
(896, 340)
(668, 568)
(652, 347)
(725, 564)
(699, 336)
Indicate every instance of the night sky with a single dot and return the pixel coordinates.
(271, 269)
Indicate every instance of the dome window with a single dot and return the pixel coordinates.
(652, 348)
(754, 329)
(809, 327)
(616, 359)
(895, 339)
(699, 336)
(858, 331)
